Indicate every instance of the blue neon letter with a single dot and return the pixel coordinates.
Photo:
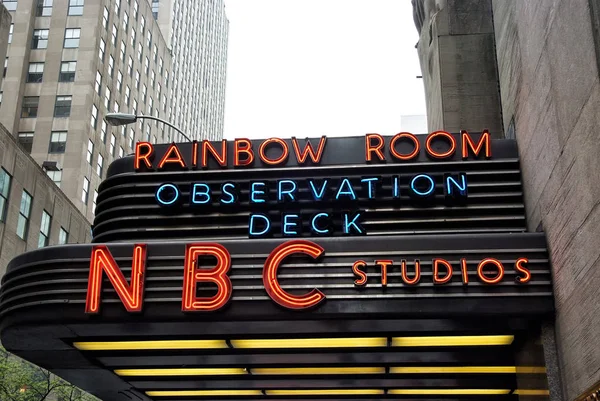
(349, 192)
(253, 220)
(462, 187)
(200, 194)
(231, 195)
(290, 224)
(352, 223)
(317, 195)
(396, 192)
(431, 183)
(371, 185)
(173, 198)
(281, 192)
(257, 189)
(313, 223)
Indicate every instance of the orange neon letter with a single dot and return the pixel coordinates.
(465, 271)
(144, 151)
(207, 148)
(361, 279)
(194, 154)
(370, 148)
(285, 151)
(243, 146)
(384, 265)
(434, 153)
(172, 155)
(192, 275)
(481, 273)
(272, 264)
(519, 267)
(416, 278)
(485, 142)
(130, 295)
(411, 137)
(301, 156)
(436, 271)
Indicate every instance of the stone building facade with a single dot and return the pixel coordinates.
(533, 69)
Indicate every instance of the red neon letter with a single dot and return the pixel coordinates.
(522, 269)
(465, 271)
(130, 295)
(384, 265)
(309, 151)
(172, 155)
(243, 146)
(467, 142)
(486, 279)
(436, 271)
(361, 275)
(285, 151)
(220, 158)
(192, 275)
(194, 154)
(415, 142)
(416, 278)
(147, 155)
(277, 294)
(433, 153)
(370, 148)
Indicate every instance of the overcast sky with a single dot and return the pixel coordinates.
(308, 68)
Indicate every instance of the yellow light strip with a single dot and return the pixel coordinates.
(465, 369)
(435, 391)
(532, 392)
(182, 372)
(326, 392)
(203, 393)
(358, 342)
(150, 345)
(317, 371)
(452, 341)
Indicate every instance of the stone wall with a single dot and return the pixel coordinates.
(550, 87)
(5, 20)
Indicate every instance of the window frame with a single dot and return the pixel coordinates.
(66, 111)
(70, 36)
(60, 145)
(71, 74)
(4, 192)
(24, 215)
(45, 227)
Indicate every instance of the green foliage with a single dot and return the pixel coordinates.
(22, 381)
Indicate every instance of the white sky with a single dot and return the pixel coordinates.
(308, 68)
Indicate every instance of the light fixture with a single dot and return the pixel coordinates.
(203, 393)
(452, 341)
(465, 369)
(448, 391)
(326, 392)
(182, 372)
(318, 371)
(358, 342)
(150, 345)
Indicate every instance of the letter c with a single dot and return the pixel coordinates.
(272, 264)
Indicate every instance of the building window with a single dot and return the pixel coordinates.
(85, 190)
(99, 165)
(55, 176)
(102, 49)
(94, 201)
(127, 95)
(94, 119)
(98, 83)
(26, 140)
(62, 107)
(117, 6)
(10, 33)
(137, 79)
(58, 142)
(90, 152)
(30, 106)
(140, 51)
(136, 7)
(35, 73)
(132, 37)
(44, 229)
(164, 102)
(67, 71)
(113, 141)
(117, 107)
(131, 137)
(44, 8)
(167, 78)
(105, 15)
(111, 65)
(107, 98)
(147, 66)
(152, 79)
(103, 131)
(130, 66)
(160, 66)
(148, 39)
(39, 40)
(150, 105)
(121, 151)
(1, 95)
(114, 33)
(75, 7)
(142, 25)
(72, 36)
(63, 236)
(155, 53)
(144, 91)
(122, 51)
(5, 180)
(5, 67)
(119, 81)
(11, 5)
(24, 213)
(125, 21)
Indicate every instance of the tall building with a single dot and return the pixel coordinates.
(68, 64)
(198, 36)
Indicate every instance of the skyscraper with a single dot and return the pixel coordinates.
(197, 33)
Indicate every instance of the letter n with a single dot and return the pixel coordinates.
(192, 275)
(130, 294)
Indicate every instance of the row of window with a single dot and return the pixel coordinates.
(62, 106)
(25, 214)
(35, 73)
(39, 40)
(85, 194)
(44, 7)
